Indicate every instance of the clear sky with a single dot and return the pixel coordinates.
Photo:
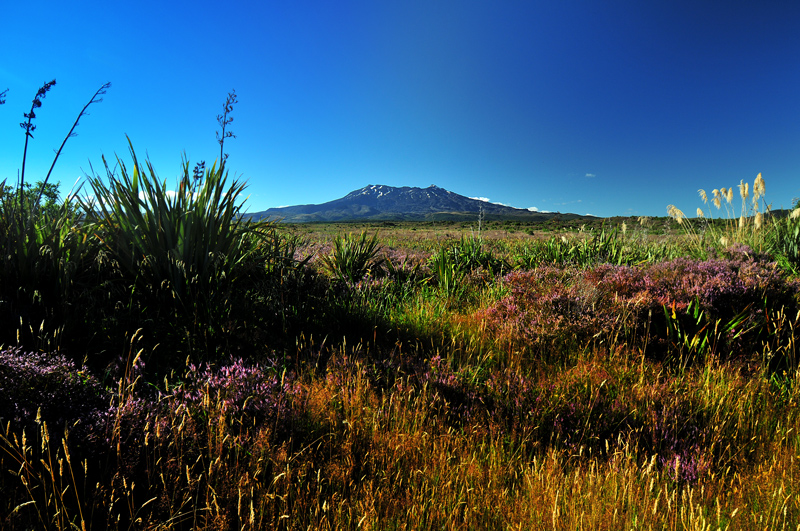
(602, 107)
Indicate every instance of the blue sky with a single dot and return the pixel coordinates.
(608, 108)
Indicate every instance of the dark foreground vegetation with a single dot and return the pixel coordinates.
(168, 365)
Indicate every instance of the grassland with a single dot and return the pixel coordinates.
(167, 364)
(520, 377)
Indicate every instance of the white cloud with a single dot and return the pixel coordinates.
(487, 200)
(591, 175)
(533, 209)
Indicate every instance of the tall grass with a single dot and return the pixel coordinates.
(613, 246)
(606, 443)
(753, 225)
(784, 240)
(605, 383)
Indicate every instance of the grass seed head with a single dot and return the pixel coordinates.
(675, 213)
(729, 195)
(703, 195)
(758, 188)
(744, 189)
(700, 212)
(759, 220)
(717, 197)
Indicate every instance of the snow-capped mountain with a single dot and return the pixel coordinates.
(406, 203)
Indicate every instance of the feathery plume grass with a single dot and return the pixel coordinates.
(717, 198)
(676, 214)
(758, 188)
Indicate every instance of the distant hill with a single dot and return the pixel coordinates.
(389, 203)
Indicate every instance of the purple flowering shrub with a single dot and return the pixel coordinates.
(32, 382)
(551, 308)
(545, 308)
(254, 394)
(202, 432)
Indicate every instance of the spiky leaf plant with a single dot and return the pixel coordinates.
(182, 251)
(784, 240)
(353, 257)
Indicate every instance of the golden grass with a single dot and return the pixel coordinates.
(384, 459)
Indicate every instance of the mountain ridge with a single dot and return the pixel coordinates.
(379, 202)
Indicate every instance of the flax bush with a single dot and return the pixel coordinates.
(183, 253)
(354, 257)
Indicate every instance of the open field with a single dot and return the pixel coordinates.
(168, 365)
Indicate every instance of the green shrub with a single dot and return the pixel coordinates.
(353, 257)
(784, 241)
(605, 247)
(45, 254)
(181, 254)
(452, 263)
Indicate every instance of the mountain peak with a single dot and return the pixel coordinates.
(383, 202)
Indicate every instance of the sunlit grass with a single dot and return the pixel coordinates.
(252, 376)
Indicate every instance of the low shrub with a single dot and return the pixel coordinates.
(354, 257)
(46, 387)
(562, 308)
